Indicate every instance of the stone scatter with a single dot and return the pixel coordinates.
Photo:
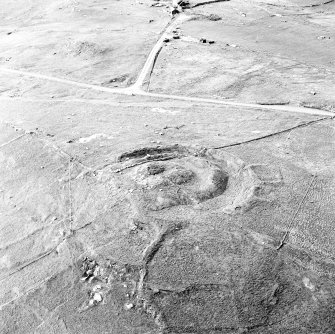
(167, 167)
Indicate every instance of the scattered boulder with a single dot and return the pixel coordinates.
(204, 40)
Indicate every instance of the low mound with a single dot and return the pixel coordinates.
(170, 176)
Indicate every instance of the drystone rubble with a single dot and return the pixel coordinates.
(167, 167)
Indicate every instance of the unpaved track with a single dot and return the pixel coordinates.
(138, 92)
(148, 65)
(237, 104)
(215, 287)
(136, 88)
